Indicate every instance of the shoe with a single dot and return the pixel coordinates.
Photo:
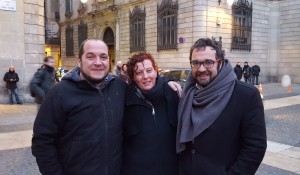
(20, 103)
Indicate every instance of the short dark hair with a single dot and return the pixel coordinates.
(81, 48)
(137, 58)
(46, 59)
(204, 42)
(245, 62)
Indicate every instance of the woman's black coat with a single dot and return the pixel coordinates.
(149, 140)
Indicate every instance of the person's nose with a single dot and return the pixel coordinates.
(201, 68)
(98, 61)
(145, 75)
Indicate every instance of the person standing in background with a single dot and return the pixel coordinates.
(247, 72)
(11, 78)
(118, 68)
(255, 73)
(238, 71)
(44, 78)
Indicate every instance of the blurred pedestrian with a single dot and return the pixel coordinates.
(123, 74)
(78, 129)
(221, 122)
(247, 72)
(11, 78)
(150, 121)
(44, 78)
(255, 73)
(118, 68)
(238, 71)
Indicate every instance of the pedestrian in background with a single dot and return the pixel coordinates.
(11, 78)
(78, 129)
(150, 121)
(118, 68)
(218, 133)
(247, 72)
(44, 78)
(255, 73)
(123, 74)
(238, 71)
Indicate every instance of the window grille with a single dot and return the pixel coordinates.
(137, 29)
(69, 41)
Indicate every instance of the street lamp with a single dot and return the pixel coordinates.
(83, 1)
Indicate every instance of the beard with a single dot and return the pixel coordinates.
(202, 83)
(94, 81)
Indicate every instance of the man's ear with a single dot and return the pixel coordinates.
(79, 62)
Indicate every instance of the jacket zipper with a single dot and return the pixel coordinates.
(105, 134)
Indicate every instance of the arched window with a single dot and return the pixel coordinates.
(82, 32)
(69, 41)
(109, 37)
(242, 25)
(167, 25)
(137, 29)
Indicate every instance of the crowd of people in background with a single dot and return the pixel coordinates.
(250, 74)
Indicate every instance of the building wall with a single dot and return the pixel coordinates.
(21, 44)
(275, 32)
(289, 37)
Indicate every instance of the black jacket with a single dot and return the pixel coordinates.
(255, 70)
(238, 71)
(149, 140)
(44, 78)
(235, 143)
(78, 129)
(11, 79)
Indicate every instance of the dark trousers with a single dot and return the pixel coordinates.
(14, 92)
(255, 77)
(247, 79)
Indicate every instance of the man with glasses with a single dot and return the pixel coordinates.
(221, 127)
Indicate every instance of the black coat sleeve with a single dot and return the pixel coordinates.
(46, 133)
(36, 84)
(6, 78)
(254, 139)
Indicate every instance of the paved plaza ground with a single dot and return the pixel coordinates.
(282, 113)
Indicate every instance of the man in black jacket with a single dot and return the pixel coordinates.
(78, 129)
(44, 78)
(218, 133)
(255, 73)
(238, 71)
(11, 78)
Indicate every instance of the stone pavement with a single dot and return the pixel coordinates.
(282, 111)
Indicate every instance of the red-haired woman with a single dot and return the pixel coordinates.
(150, 121)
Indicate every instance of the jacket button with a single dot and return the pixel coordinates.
(193, 151)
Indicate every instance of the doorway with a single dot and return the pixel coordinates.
(109, 39)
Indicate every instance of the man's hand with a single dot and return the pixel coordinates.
(176, 87)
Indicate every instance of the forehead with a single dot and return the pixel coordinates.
(145, 64)
(204, 53)
(94, 46)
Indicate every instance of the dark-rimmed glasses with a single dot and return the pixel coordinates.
(207, 63)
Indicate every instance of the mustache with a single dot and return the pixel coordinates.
(201, 73)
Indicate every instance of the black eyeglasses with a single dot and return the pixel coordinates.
(207, 63)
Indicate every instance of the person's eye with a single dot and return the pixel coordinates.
(89, 56)
(195, 62)
(139, 73)
(209, 62)
(149, 70)
(104, 57)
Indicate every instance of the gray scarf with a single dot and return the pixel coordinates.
(199, 108)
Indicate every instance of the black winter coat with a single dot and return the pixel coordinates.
(11, 79)
(44, 78)
(78, 129)
(235, 143)
(149, 146)
(238, 72)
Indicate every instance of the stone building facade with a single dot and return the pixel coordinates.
(273, 43)
(22, 42)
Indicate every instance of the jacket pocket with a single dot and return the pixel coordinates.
(85, 156)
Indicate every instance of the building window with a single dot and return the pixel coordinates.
(241, 25)
(82, 32)
(167, 25)
(69, 8)
(69, 41)
(137, 29)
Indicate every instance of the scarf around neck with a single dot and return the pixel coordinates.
(199, 108)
